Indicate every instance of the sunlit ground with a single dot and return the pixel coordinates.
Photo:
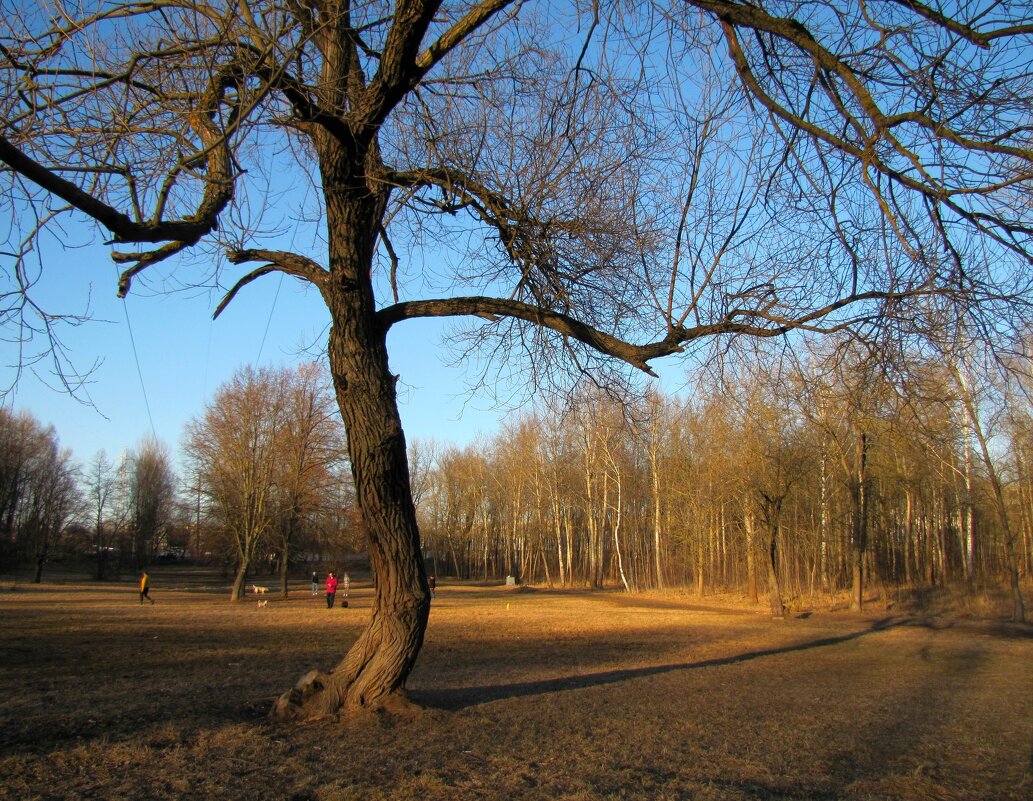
(528, 694)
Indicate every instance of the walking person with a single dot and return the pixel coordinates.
(331, 589)
(347, 583)
(315, 584)
(145, 587)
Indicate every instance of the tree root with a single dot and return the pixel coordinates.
(319, 695)
(314, 696)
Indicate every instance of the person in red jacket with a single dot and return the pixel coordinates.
(331, 589)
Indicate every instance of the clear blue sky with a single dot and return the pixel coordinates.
(184, 356)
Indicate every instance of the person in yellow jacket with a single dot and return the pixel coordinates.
(145, 587)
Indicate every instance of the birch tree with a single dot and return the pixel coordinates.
(975, 425)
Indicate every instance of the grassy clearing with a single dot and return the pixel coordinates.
(529, 694)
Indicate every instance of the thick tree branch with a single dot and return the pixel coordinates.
(403, 66)
(241, 283)
(466, 25)
(278, 261)
(121, 225)
(290, 263)
(143, 261)
(396, 73)
(966, 32)
(493, 308)
(759, 323)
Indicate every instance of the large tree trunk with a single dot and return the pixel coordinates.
(373, 673)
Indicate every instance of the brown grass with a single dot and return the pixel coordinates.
(529, 694)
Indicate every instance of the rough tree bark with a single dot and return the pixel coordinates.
(373, 672)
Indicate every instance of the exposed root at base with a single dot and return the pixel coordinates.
(311, 698)
(317, 695)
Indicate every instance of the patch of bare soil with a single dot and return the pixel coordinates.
(528, 695)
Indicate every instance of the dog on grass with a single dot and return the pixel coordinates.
(262, 603)
(256, 588)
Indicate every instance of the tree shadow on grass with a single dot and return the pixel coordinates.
(1003, 629)
(454, 699)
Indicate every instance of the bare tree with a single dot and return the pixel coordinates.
(772, 448)
(268, 453)
(17, 432)
(100, 481)
(151, 498)
(527, 130)
(51, 500)
(969, 401)
(310, 453)
(39, 490)
(847, 398)
(46, 492)
(657, 445)
(234, 448)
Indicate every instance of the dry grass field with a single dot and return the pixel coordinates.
(528, 694)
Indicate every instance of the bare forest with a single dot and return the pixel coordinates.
(264, 490)
(775, 488)
(772, 488)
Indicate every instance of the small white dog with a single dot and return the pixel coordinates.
(256, 588)
(262, 603)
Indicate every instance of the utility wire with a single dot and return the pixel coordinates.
(207, 360)
(269, 322)
(139, 372)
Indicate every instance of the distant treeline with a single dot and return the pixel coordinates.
(267, 487)
(120, 514)
(830, 476)
(816, 480)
